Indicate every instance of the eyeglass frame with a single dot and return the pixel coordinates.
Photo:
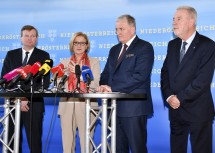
(76, 43)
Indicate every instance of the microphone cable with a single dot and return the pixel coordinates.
(31, 115)
(51, 123)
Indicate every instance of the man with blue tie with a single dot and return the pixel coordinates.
(186, 78)
(128, 70)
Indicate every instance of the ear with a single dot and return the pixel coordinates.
(133, 30)
(192, 22)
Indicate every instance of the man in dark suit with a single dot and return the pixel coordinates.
(185, 84)
(129, 71)
(14, 59)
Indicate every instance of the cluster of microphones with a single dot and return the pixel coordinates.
(38, 70)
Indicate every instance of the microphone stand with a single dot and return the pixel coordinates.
(54, 89)
(31, 85)
(31, 110)
(78, 83)
(42, 83)
(88, 87)
(18, 87)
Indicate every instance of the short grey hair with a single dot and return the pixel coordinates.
(130, 19)
(190, 10)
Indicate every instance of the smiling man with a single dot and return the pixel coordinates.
(186, 76)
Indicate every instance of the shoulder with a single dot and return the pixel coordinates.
(93, 59)
(119, 45)
(142, 43)
(41, 51)
(14, 51)
(206, 40)
(174, 41)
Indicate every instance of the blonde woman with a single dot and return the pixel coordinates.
(72, 110)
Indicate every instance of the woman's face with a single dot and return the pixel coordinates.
(79, 45)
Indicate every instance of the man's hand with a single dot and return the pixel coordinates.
(174, 102)
(104, 88)
(24, 104)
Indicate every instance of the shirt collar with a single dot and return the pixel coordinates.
(130, 41)
(190, 39)
(23, 52)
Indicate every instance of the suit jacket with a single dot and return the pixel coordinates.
(95, 67)
(13, 60)
(190, 80)
(131, 76)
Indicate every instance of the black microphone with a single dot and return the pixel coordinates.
(45, 68)
(63, 80)
(78, 75)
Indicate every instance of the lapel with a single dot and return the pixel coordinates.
(33, 56)
(189, 53)
(19, 57)
(129, 49)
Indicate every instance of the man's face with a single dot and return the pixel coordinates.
(124, 31)
(183, 24)
(29, 39)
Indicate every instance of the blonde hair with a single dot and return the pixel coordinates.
(76, 35)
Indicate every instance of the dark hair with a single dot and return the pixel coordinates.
(29, 28)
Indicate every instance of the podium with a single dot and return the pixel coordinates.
(112, 96)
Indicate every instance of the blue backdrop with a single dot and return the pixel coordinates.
(58, 20)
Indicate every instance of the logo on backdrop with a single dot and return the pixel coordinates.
(52, 34)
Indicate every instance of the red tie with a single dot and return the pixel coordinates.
(122, 54)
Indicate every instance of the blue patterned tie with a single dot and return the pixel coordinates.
(183, 49)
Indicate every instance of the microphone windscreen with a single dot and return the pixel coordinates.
(77, 70)
(35, 68)
(24, 71)
(46, 66)
(12, 74)
(86, 73)
(59, 68)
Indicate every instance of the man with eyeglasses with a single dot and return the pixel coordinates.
(28, 54)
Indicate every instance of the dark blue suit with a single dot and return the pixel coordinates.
(13, 60)
(190, 81)
(132, 75)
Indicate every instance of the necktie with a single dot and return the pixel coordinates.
(122, 54)
(183, 49)
(25, 59)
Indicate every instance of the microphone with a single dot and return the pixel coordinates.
(78, 75)
(22, 75)
(9, 76)
(87, 74)
(33, 70)
(45, 68)
(63, 80)
(57, 71)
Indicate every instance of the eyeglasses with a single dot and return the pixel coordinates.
(79, 43)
